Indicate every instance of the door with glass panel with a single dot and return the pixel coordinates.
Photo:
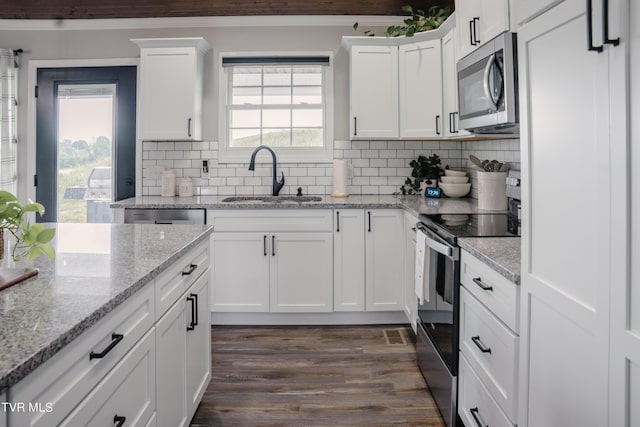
(85, 143)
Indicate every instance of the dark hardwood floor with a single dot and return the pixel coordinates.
(313, 376)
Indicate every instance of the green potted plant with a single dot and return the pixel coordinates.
(419, 21)
(425, 169)
(31, 240)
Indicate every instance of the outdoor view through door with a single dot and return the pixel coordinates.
(85, 163)
(85, 141)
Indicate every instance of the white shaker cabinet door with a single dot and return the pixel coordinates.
(171, 79)
(625, 255)
(565, 292)
(171, 365)
(198, 342)
(240, 275)
(410, 297)
(302, 272)
(374, 92)
(348, 256)
(126, 396)
(451, 114)
(420, 69)
(384, 239)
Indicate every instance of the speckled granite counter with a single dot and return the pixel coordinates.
(500, 253)
(413, 204)
(97, 267)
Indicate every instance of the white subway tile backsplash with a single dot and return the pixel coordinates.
(377, 167)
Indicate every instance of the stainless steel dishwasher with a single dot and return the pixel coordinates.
(165, 216)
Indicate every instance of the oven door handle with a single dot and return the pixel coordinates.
(439, 247)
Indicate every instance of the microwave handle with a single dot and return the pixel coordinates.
(487, 76)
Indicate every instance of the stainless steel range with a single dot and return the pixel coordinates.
(438, 315)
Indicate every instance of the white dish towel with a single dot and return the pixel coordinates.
(422, 268)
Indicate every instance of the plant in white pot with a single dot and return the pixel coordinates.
(425, 172)
(31, 240)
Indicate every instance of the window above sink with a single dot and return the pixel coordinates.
(282, 100)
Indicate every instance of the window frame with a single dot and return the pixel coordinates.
(324, 154)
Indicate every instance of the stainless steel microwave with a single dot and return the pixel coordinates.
(488, 87)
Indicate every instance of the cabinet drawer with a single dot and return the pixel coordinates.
(271, 220)
(127, 394)
(492, 350)
(475, 405)
(66, 378)
(499, 295)
(174, 282)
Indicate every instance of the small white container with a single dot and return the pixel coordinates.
(168, 183)
(185, 188)
(492, 191)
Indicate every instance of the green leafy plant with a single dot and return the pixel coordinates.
(419, 21)
(425, 169)
(32, 240)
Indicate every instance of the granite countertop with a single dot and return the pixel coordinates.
(414, 204)
(500, 253)
(97, 267)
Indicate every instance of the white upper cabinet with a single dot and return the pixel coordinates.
(525, 10)
(478, 21)
(421, 90)
(374, 92)
(451, 115)
(170, 92)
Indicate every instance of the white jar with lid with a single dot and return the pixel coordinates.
(185, 188)
(168, 183)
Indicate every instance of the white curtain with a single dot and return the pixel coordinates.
(8, 120)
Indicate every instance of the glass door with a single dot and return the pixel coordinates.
(85, 152)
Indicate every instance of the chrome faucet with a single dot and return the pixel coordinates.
(277, 185)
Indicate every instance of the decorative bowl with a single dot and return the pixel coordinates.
(454, 179)
(451, 172)
(455, 190)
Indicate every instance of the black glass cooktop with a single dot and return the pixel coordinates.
(473, 225)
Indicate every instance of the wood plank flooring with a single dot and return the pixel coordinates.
(314, 376)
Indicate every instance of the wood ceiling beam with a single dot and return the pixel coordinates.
(100, 9)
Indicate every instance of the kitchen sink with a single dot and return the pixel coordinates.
(272, 199)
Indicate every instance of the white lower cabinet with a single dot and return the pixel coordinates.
(171, 336)
(198, 344)
(301, 272)
(348, 260)
(69, 376)
(152, 353)
(476, 407)
(183, 355)
(489, 344)
(126, 396)
(240, 274)
(410, 297)
(384, 252)
(283, 262)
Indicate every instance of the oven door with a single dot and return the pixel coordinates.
(439, 316)
(437, 336)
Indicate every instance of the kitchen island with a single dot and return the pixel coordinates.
(100, 269)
